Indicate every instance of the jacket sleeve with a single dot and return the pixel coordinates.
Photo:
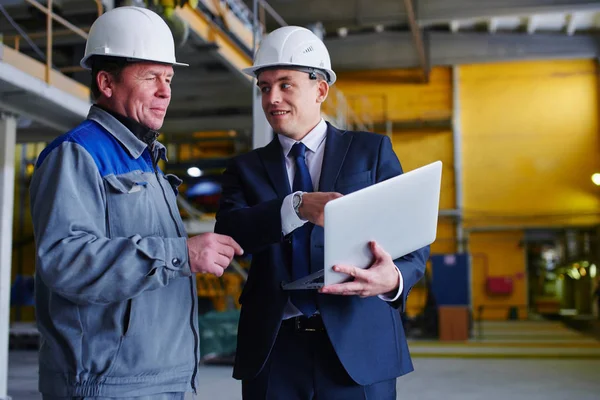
(253, 227)
(412, 265)
(75, 257)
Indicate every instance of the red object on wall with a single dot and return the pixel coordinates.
(499, 285)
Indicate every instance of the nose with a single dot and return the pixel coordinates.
(273, 96)
(164, 89)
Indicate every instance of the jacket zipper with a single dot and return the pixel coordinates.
(196, 340)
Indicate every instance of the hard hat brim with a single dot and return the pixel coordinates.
(85, 62)
(256, 68)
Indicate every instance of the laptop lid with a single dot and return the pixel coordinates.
(400, 214)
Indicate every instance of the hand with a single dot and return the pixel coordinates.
(313, 205)
(212, 253)
(380, 278)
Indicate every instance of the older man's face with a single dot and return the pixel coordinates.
(143, 93)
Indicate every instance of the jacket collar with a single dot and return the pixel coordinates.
(122, 130)
(336, 147)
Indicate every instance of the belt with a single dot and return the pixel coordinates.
(304, 324)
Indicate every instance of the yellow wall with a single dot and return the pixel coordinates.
(386, 94)
(530, 143)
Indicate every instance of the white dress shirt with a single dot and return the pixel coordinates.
(315, 149)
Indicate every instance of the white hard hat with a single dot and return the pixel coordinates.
(292, 46)
(130, 32)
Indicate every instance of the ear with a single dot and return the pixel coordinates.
(322, 91)
(105, 81)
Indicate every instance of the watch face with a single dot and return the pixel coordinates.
(296, 201)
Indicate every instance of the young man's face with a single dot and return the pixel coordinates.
(291, 101)
(142, 92)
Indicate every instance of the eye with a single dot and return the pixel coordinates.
(265, 89)
(285, 86)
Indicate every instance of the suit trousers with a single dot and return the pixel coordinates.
(304, 366)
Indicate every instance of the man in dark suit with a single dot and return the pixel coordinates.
(345, 341)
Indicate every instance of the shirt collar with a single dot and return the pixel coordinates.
(123, 131)
(312, 140)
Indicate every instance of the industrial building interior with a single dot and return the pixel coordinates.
(506, 93)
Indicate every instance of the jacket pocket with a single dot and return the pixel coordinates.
(130, 206)
(354, 181)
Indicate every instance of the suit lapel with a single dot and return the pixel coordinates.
(272, 158)
(336, 147)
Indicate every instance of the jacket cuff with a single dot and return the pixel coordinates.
(289, 219)
(176, 256)
(385, 297)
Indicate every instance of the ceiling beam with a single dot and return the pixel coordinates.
(431, 12)
(394, 49)
(417, 35)
(448, 49)
(384, 50)
(335, 14)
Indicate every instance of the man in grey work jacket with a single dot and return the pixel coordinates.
(116, 298)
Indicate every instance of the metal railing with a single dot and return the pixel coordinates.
(50, 18)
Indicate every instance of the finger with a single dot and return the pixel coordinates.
(226, 251)
(346, 289)
(216, 270)
(357, 273)
(222, 261)
(320, 221)
(228, 240)
(378, 251)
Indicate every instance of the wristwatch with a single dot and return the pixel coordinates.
(297, 202)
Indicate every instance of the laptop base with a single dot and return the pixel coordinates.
(310, 282)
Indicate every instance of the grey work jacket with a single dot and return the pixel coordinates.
(116, 302)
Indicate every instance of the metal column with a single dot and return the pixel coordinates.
(262, 133)
(457, 146)
(8, 134)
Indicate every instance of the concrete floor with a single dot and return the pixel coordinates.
(434, 378)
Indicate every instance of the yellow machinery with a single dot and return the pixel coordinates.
(224, 292)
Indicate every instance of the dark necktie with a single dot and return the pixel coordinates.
(304, 300)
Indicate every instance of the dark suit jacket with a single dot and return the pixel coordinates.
(367, 334)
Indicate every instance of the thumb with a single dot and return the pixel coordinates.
(377, 250)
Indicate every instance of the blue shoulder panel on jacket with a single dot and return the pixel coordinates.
(110, 156)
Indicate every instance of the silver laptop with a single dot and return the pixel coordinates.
(400, 214)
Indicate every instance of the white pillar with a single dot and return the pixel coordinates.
(262, 133)
(8, 134)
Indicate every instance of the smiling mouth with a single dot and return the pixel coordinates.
(279, 113)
